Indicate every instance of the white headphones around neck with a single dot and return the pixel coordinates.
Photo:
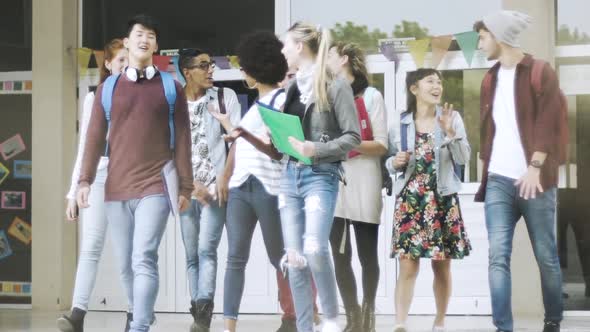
(134, 74)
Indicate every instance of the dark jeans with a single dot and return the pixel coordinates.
(503, 209)
(366, 240)
(247, 205)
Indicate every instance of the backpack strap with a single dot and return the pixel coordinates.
(170, 94)
(537, 76)
(404, 131)
(222, 110)
(108, 88)
(274, 97)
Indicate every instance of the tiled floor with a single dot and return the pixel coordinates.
(35, 321)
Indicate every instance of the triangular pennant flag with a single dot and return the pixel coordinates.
(8, 85)
(179, 77)
(418, 50)
(388, 51)
(28, 85)
(99, 57)
(440, 47)
(468, 43)
(162, 62)
(234, 61)
(83, 59)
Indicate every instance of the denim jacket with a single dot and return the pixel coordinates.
(215, 142)
(446, 151)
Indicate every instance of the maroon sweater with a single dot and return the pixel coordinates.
(535, 118)
(139, 140)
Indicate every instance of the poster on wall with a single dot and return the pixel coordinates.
(13, 200)
(12, 147)
(16, 224)
(22, 169)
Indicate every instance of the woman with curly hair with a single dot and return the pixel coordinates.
(254, 177)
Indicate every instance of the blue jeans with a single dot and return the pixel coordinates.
(247, 205)
(503, 209)
(307, 202)
(94, 229)
(136, 227)
(201, 228)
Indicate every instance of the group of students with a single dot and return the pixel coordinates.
(230, 174)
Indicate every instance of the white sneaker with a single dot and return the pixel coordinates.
(330, 325)
(400, 328)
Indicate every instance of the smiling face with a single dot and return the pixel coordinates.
(200, 72)
(428, 90)
(142, 44)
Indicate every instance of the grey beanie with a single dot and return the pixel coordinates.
(506, 26)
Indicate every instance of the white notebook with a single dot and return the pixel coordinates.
(170, 178)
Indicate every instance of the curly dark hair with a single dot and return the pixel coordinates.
(261, 58)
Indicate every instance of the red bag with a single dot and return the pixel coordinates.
(364, 122)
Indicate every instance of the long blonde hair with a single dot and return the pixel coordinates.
(318, 41)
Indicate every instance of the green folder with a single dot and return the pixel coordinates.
(282, 126)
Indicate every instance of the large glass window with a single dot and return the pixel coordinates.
(215, 26)
(365, 22)
(573, 26)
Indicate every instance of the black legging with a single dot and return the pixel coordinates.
(366, 240)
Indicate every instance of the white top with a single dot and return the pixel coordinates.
(250, 161)
(104, 161)
(508, 158)
(361, 199)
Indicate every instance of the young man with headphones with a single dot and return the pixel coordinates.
(145, 114)
(212, 112)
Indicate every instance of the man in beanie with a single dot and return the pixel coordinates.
(518, 149)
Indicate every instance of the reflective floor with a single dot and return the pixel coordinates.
(26, 320)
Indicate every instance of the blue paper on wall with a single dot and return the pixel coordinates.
(5, 249)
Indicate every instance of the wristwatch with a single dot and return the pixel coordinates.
(536, 163)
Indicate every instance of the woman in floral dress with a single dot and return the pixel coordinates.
(428, 222)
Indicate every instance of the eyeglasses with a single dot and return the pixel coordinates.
(203, 65)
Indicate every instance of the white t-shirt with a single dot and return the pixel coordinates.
(248, 160)
(104, 161)
(508, 158)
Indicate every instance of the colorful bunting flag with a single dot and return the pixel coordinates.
(28, 85)
(388, 50)
(418, 50)
(468, 43)
(8, 85)
(83, 60)
(440, 47)
(99, 58)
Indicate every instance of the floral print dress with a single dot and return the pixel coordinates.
(426, 224)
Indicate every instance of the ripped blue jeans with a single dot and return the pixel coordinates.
(307, 201)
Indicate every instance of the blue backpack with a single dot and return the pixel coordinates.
(108, 89)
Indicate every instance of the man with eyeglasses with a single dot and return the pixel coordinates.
(212, 112)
